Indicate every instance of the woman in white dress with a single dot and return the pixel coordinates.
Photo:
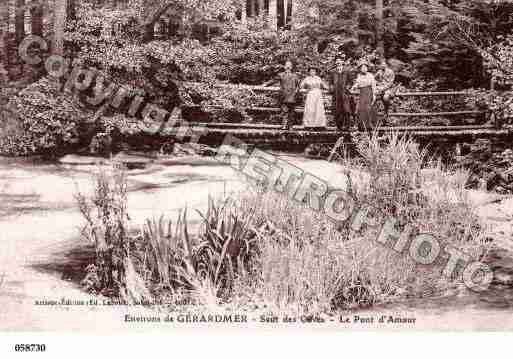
(314, 115)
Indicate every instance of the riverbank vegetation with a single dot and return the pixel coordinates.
(261, 251)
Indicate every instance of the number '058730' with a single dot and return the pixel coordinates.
(30, 348)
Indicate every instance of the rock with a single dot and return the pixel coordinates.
(101, 144)
(193, 160)
(132, 161)
(76, 160)
(193, 148)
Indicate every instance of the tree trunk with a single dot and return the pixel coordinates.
(36, 21)
(19, 21)
(379, 28)
(285, 11)
(59, 23)
(4, 29)
(293, 9)
(243, 14)
(251, 8)
(272, 20)
(285, 14)
(71, 10)
(279, 14)
(260, 7)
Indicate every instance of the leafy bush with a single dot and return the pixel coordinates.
(45, 121)
(498, 102)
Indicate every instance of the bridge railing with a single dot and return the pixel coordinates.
(487, 115)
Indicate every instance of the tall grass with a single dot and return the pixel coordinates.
(417, 190)
(394, 165)
(106, 217)
(308, 265)
(260, 250)
(201, 268)
(421, 192)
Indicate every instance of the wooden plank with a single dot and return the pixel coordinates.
(290, 139)
(426, 129)
(435, 114)
(251, 109)
(328, 136)
(277, 89)
(299, 128)
(432, 93)
(235, 86)
(301, 110)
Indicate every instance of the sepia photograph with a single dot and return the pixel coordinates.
(205, 165)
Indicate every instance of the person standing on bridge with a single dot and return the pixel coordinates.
(343, 101)
(314, 116)
(365, 87)
(289, 86)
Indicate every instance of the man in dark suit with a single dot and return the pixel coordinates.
(289, 84)
(289, 87)
(343, 106)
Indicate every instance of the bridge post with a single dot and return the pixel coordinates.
(499, 121)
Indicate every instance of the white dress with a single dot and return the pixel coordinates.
(314, 115)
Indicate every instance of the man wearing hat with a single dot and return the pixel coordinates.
(342, 106)
(289, 86)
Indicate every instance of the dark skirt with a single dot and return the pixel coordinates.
(366, 111)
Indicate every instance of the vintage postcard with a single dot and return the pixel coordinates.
(331, 165)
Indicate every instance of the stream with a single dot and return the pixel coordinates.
(42, 254)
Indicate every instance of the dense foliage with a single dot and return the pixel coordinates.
(447, 44)
(42, 120)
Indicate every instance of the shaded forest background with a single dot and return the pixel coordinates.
(153, 45)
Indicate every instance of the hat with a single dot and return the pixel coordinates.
(360, 63)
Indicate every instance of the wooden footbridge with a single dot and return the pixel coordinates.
(485, 124)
